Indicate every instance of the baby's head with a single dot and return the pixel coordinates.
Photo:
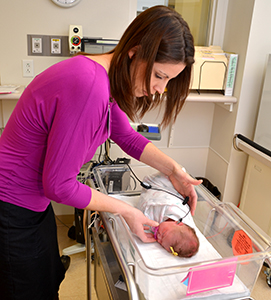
(180, 237)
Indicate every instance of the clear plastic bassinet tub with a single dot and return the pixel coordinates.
(231, 254)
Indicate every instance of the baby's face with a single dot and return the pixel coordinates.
(166, 234)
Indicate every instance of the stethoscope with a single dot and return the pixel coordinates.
(148, 186)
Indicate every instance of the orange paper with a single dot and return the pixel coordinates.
(241, 243)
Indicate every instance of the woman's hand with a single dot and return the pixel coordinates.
(138, 222)
(184, 184)
(181, 181)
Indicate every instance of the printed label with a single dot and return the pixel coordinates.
(241, 243)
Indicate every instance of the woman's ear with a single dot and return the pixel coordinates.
(132, 52)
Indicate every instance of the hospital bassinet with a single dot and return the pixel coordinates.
(231, 254)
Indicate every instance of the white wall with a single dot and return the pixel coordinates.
(247, 33)
(190, 140)
(103, 18)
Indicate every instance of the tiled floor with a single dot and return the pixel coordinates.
(74, 286)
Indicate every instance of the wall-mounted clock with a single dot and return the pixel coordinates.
(66, 3)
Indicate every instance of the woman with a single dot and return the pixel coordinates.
(62, 117)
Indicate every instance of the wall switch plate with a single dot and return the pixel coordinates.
(52, 45)
(55, 45)
(36, 45)
(28, 68)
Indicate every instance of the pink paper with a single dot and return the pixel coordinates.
(211, 276)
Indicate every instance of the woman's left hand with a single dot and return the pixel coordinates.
(184, 184)
(181, 181)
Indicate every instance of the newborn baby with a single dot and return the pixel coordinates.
(165, 208)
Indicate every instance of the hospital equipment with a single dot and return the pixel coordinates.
(231, 255)
(75, 38)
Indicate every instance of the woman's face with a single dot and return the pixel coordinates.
(160, 76)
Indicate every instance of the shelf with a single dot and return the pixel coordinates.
(204, 97)
(214, 97)
(13, 96)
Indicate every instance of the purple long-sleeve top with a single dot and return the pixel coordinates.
(56, 127)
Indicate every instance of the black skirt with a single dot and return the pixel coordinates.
(30, 265)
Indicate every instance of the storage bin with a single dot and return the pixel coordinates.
(210, 187)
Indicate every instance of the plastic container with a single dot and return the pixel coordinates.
(118, 179)
(227, 267)
(112, 179)
(237, 246)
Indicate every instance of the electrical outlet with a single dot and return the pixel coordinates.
(28, 68)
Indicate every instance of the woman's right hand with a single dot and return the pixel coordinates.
(135, 219)
(138, 223)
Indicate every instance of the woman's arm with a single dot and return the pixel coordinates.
(181, 181)
(133, 216)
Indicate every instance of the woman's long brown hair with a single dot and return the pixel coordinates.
(159, 34)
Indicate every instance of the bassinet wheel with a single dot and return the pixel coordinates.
(267, 272)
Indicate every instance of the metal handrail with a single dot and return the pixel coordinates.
(128, 277)
(242, 143)
(88, 254)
